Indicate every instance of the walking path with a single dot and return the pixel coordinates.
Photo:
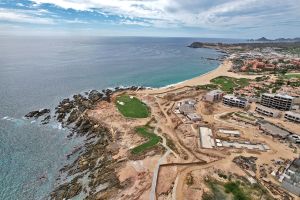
(156, 170)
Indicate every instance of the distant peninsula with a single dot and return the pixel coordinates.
(264, 39)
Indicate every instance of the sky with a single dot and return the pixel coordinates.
(159, 18)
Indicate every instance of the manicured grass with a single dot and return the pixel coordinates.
(147, 133)
(228, 84)
(132, 107)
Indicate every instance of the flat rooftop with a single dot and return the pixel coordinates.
(214, 92)
(273, 130)
(239, 145)
(194, 116)
(229, 132)
(271, 110)
(279, 95)
(294, 114)
(206, 138)
(231, 96)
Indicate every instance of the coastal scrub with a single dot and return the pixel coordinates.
(132, 107)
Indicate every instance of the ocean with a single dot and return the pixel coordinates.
(38, 72)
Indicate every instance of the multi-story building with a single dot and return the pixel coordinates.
(214, 95)
(278, 101)
(291, 178)
(292, 116)
(232, 100)
(267, 111)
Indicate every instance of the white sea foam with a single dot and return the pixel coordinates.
(57, 126)
(171, 85)
(8, 118)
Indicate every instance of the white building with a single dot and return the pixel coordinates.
(194, 117)
(278, 101)
(267, 111)
(206, 138)
(292, 116)
(232, 133)
(214, 95)
(232, 100)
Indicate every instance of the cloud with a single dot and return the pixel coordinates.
(190, 13)
(215, 16)
(11, 15)
(40, 16)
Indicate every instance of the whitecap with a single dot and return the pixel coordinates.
(57, 126)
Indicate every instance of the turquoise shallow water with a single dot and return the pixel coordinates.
(39, 72)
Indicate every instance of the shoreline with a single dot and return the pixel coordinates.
(88, 115)
(221, 70)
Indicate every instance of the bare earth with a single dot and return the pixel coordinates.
(186, 157)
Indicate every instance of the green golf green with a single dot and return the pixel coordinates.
(132, 107)
(147, 133)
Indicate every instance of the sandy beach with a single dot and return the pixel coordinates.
(221, 70)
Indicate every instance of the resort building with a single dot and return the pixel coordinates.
(187, 106)
(194, 117)
(206, 138)
(214, 95)
(278, 101)
(292, 116)
(273, 130)
(188, 109)
(232, 133)
(232, 100)
(291, 178)
(267, 111)
(245, 145)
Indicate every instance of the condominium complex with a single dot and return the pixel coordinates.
(278, 101)
(214, 95)
(267, 111)
(292, 116)
(232, 100)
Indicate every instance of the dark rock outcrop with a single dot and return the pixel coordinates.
(95, 157)
(46, 120)
(37, 113)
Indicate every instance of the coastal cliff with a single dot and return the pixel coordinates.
(93, 173)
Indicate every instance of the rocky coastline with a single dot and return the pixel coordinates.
(232, 47)
(94, 162)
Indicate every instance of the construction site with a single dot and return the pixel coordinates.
(199, 139)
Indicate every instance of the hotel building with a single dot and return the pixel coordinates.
(278, 101)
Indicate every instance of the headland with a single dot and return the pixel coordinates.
(216, 134)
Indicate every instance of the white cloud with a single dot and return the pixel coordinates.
(40, 16)
(192, 13)
(20, 4)
(12, 15)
